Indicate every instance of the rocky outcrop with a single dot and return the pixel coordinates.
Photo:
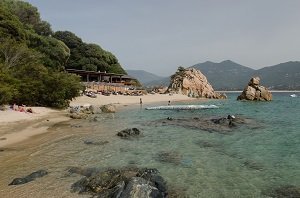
(126, 182)
(193, 83)
(128, 133)
(109, 108)
(254, 91)
(83, 112)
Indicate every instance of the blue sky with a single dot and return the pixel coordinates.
(160, 35)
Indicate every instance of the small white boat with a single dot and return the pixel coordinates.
(182, 107)
(293, 95)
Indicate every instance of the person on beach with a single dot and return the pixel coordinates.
(141, 102)
(15, 107)
(22, 108)
(169, 102)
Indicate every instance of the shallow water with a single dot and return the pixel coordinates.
(246, 162)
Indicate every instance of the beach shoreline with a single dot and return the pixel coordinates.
(16, 127)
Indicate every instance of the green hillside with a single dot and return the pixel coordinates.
(226, 75)
(33, 58)
(284, 76)
(143, 76)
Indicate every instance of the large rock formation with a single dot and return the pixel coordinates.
(193, 83)
(254, 91)
(121, 183)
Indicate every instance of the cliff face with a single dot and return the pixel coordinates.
(193, 83)
(254, 91)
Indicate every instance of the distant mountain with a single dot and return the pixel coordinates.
(284, 76)
(144, 77)
(228, 75)
(162, 82)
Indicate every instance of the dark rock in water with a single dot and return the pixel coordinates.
(177, 192)
(206, 144)
(253, 165)
(153, 176)
(172, 157)
(287, 191)
(81, 186)
(29, 178)
(127, 133)
(123, 183)
(211, 124)
(116, 191)
(91, 142)
(139, 187)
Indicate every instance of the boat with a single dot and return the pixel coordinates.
(293, 95)
(182, 107)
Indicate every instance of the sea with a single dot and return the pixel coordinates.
(256, 159)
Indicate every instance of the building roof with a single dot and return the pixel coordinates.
(78, 71)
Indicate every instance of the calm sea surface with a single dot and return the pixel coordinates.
(247, 162)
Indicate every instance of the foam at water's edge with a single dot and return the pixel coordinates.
(182, 107)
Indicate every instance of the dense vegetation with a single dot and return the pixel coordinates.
(88, 56)
(33, 58)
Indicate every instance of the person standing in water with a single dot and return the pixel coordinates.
(141, 102)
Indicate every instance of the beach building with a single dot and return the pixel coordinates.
(103, 80)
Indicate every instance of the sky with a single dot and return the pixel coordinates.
(158, 36)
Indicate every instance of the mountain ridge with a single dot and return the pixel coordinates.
(230, 76)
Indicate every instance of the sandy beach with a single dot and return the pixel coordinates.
(16, 127)
(129, 100)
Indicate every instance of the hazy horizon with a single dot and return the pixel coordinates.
(159, 36)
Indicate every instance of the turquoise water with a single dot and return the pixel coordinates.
(247, 162)
(244, 163)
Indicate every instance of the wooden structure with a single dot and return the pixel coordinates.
(93, 76)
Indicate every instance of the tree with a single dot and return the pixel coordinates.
(7, 86)
(28, 15)
(14, 54)
(55, 52)
(10, 26)
(88, 56)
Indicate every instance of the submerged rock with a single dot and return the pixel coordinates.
(207, 144)
(253, 165)
(29, 178)
(91, 142)
(127, 182)
(88, 172)
(127, 133)
(254, 91)
(172, 157)
(212, 124)
(287, 191)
